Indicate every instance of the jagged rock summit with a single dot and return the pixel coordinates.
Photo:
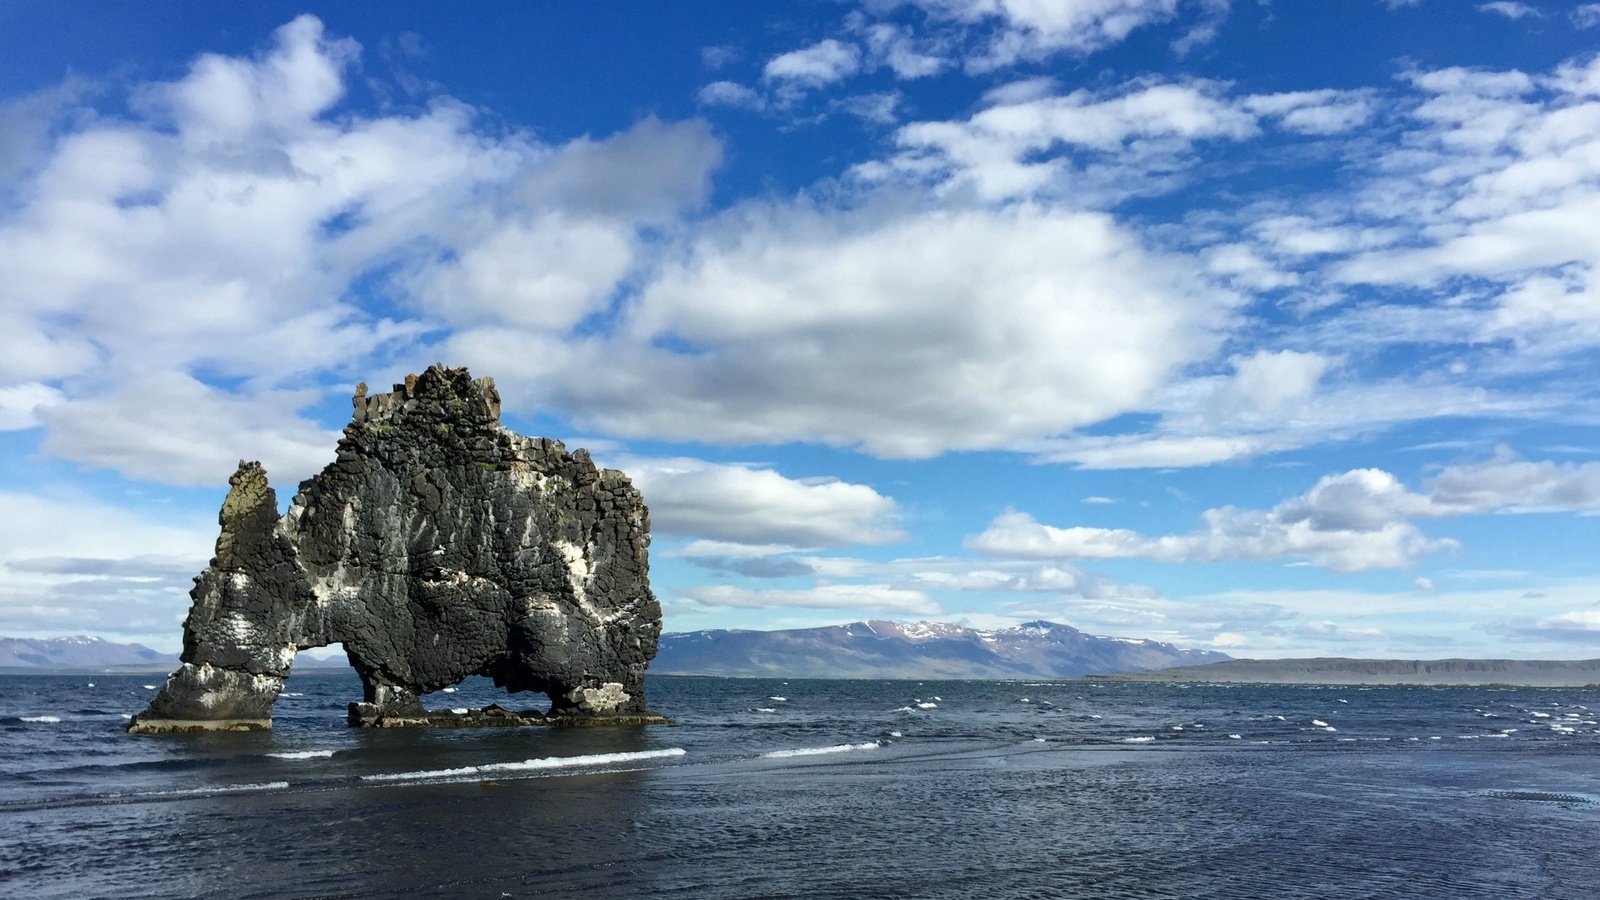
(437, 545)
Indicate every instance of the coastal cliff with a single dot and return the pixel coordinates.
(436, 545)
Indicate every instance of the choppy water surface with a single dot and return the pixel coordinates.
(818, 788)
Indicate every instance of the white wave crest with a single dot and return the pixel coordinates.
(529, 765)
(302, 754)
(42, 720)
(1138, 740)
(819, 751)
(218, 789)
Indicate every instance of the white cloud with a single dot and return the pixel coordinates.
(1268, 383)
(1347, 523)
(548, 272)
(730, 549)
(1314, 112)
(648, 173)
(1093, 147)
(730, 93)
(1501, 167)
(1025, 144)
(867, 597)
(1586, 15)
(20, 404)
(1579, 627)
(73, 564)
(904, 333)
(744, 506)
(880, 109)
(819, 64)
(898, 48)
(1507, 484)
(172, 428)
(232, 229)
(1350, 522)
(1141, 451)
(1510, 9)
(1031, 30)
(25, 125)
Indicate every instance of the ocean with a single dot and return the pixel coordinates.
(774, 788)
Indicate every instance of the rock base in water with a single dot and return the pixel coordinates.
(371, 715)
(146, 725)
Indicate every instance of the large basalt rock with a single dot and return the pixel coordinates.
(437, 545)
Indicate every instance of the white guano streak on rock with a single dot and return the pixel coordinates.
(604, 698)
(578, 574)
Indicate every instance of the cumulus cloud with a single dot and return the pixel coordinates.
(1024, 30)
(1349, 522)
(734, 508)
(1508, 484)
(821, 63)
(730, 93)
(202, 435)
(235, 228)
(905, 334)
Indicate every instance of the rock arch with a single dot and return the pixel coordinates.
(436, 545)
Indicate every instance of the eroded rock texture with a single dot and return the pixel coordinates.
(436, 546)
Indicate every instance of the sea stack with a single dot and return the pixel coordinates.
(436, 545)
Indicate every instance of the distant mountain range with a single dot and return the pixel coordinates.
(84, 652)
(78, 652)
(1341, 670)
(880, 649)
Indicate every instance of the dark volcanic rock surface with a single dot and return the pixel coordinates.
(437, 545)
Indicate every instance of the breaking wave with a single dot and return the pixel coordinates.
(528, 765)
(820, 751)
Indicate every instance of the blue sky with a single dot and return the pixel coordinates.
(1263, 327)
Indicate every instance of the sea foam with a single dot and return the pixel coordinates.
(528, 765)
(302, 754)
(819, 751)
(214, 789)
(42, 720)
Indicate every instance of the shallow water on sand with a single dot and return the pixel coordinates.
(818, 788)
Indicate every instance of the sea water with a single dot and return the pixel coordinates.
(817, 788)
